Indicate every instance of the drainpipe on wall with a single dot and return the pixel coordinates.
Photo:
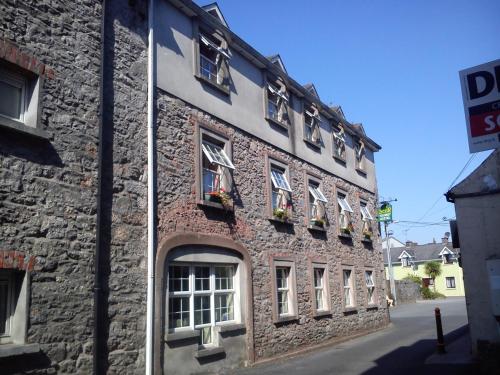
(98, 321)
(151, 192)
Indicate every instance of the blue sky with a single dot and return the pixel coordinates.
(392, 65)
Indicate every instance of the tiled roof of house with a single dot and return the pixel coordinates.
(420, 253)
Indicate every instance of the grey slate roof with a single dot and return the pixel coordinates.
(420, 253)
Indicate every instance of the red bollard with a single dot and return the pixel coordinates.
(439, 329)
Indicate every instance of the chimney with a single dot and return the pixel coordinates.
(444, 240)
(408, 243)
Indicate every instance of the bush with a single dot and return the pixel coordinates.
(416, 279)
(430, 294)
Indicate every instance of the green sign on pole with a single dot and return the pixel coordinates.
(384, 213)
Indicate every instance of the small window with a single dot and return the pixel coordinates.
(344, 210)
(214, 59)
(320, 296)
(312, 121)
(216, 168)
(277, 104)
(317, 200)
(12, 306)
(348, 288)
(280, 193)
(339, 142)
(450, 283)
(360, 155)
(405, 261)
(370, 287)
(447, 258)
(19, 91)
(285, 295)
(367, 219)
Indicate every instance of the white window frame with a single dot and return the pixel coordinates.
(291, 288)
(454, 282)
(212, 151)
(349, 287)
(212, 292)
(279, 179)
(7, 280)
(365, 213)
(280, 289)
(322, 288)
(315, 123)
(339, 143)
(370, 286)
(19, 82)
(345, 210)
(317, 193)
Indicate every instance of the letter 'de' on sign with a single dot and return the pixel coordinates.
(481, 96)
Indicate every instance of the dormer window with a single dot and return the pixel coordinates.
(405, 262)
(317, 202)
(447, 258)
(214, 61)
(311, 126)
(277, 103)
(360, 155)
(339, 143)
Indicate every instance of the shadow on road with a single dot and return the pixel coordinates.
(409, 360)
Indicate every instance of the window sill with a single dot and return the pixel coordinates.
(216, 205)
(224, 328)
(372, 306)
(208, 352)
(182, 335)
(12, 350)
(350, 310)
(345, 236)
(322, 314)
(317, 146)
(316, 228)
(285, 319)
(340, 160)
(219, 87)
(280, 124)
(282, 221)
(366, 240)
(19, 127)
(361, 172)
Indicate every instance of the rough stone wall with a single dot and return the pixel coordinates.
(407, 291)
(48, 187)
(178, 211)
(125, 193)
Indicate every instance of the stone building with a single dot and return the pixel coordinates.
(477, 208)
(262, 196)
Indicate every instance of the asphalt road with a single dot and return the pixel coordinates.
(402, 348)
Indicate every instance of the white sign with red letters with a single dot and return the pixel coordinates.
(481, 96)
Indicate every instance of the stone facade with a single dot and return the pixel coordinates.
(178, 211)
(49, 187)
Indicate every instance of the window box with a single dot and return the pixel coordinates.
(367, 241)
(318, 228)
(346, 236)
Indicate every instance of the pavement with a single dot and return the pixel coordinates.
(407, 346)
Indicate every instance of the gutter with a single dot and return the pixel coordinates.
(98, 331)
(450, 196)
(151, 190)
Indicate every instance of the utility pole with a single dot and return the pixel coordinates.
(389, 264)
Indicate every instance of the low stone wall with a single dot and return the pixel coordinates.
(406, 291)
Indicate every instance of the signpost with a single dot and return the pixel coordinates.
(384, 213)
(481, 97)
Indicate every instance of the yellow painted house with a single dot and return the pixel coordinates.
(410, 260)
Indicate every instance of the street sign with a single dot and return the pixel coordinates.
(384, 213)
(481, 97)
